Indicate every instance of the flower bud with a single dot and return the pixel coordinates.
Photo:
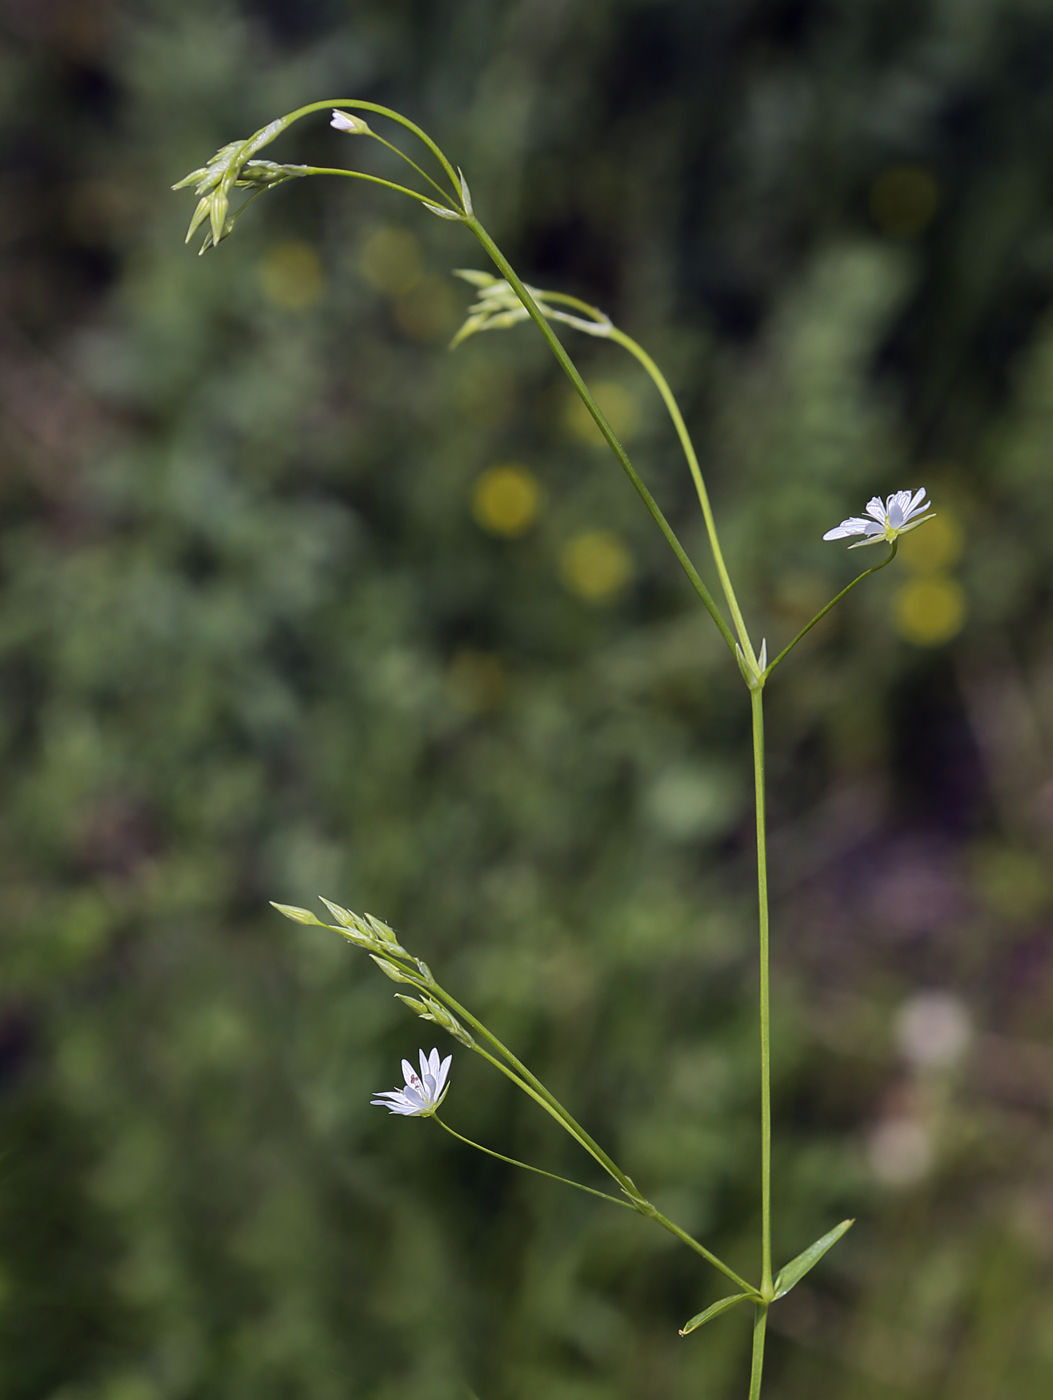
(354, 126)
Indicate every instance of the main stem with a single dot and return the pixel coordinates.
(765, 1024)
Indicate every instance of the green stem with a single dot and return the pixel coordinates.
(373, 180)
(571, 371)
(757, 698)
(682, 1235)
(422, 173)
(512, 1162)
(823, 611)
(549, 1103)
(537, 1091)
(760, 1323)
(533, 1087)
(661, 384)
(383, 112)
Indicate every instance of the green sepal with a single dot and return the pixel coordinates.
(796, 1269)
(389, 969)
(342, 916)
(714, 1310)
(417, 1007)
(298, 916)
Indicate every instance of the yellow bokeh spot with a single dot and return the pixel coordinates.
(390, 260)
(934, 546)
(596, 565)
(291, 276)
(428, 311)
(618, 405)
(929, 611)
(904, 200)
(506, 499)
(475, 681)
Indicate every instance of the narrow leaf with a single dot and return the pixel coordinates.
(797, 1268)
(299, 916)
(714, 1310)
(442, 213)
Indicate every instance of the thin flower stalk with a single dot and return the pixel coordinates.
(502, 302)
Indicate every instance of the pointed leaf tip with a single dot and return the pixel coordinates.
(796, 1269)
(714, 1310)
(342, 916)
(298, 916)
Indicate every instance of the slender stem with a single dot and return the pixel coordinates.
(532, 1086)
(555, 1109)
(823, 611)
(518, 1073)
(661, 384)
(373, 180)
(698, 1248)
(512, 1162)
(422, 173)
(757, 698)
(571, 371)
(760, 1323)
(383, 112)
(565, 299)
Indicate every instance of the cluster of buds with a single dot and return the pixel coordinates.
(382, 945)
(234, 166)
(428, 1009)
(497, 306)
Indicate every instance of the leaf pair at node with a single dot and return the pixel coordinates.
(788, 1278)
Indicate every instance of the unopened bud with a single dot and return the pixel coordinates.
(354, 126)
(389, 969)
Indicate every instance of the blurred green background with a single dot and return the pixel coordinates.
(296, 602)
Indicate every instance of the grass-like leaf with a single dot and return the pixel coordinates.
(714, 1310)
(796, 1269)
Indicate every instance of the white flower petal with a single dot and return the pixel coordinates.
(876, 508)
(846, 528)
(422, 1093)
(895, 514)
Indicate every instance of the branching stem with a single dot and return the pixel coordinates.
(512, 1162)
(416, 974)
(823, 611)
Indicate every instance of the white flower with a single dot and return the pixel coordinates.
(344, 121)
(423, 1092)
(888, 519)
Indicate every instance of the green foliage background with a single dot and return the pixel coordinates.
(253, 645)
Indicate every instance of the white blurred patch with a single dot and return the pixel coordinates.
(900, 1151)
(933, 1030)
